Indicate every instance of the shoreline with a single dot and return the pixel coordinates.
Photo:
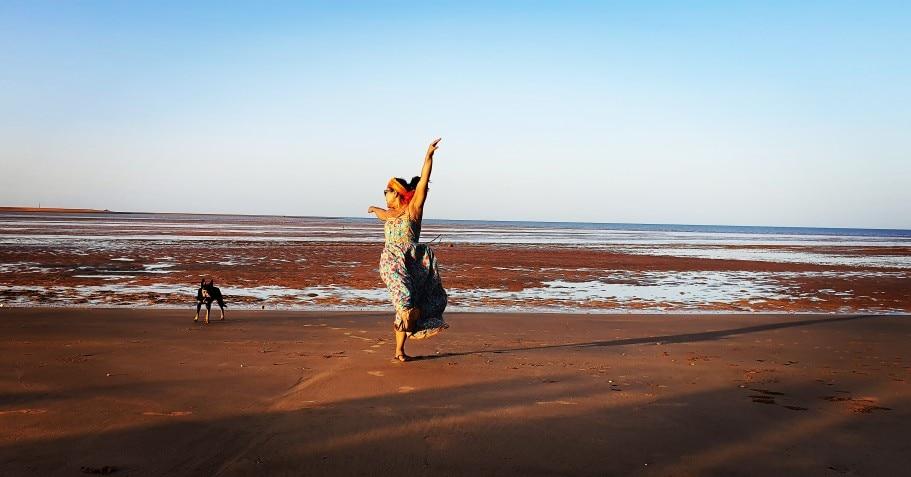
(54, 210)
(454, 310)
(636, 226)
(314, 264)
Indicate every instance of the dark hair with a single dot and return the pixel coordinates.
(409, 185)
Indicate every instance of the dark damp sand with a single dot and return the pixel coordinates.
(56, 210)
(146, 392)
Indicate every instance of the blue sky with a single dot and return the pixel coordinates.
(742, 113)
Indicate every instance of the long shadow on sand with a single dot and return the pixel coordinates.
(665, 339)
(520, 426)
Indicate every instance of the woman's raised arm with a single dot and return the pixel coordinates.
(420, 193)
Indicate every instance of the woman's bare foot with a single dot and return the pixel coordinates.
(402, 357)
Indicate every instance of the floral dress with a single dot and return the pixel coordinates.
(409, 270)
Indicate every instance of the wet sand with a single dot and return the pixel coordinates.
(316, 264)
(147, 392)
(477, 276)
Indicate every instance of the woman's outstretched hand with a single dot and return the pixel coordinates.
(433, 147)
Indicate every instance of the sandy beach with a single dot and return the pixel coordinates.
(657, 239)
(147, 392)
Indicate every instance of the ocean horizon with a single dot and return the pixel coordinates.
(630, 226)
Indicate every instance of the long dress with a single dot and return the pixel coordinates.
(409, 270)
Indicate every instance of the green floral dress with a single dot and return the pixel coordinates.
(409, 270)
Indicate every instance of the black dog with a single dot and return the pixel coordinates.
(208, 293)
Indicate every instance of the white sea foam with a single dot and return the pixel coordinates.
(689, 288)
(614, 290)
(108, 293)
(776, 256)
(157, 268)
(24, 267)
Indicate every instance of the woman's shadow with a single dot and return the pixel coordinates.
(664, 339)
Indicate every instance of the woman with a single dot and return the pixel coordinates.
(408, 268)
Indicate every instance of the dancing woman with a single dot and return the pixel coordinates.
(409, 268)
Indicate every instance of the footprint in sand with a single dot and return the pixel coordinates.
(762, 399)
(768, 397)
(765, 396)
(862, 408)
(99, 470)
(767, 392)
(357, 337)
(861, 405)
(168, 414)
(23, 411)
(378, 374)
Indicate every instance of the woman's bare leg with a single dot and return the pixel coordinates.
(409, 316)
(400, 338)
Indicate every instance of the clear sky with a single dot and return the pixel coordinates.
(741, 113)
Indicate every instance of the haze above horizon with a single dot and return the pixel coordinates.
(776, 114)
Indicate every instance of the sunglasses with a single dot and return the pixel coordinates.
(386, 191)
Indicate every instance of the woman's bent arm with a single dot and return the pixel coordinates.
(381, 214)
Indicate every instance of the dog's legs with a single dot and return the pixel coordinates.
(198, 306)
(221, 304)
(208, 309)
